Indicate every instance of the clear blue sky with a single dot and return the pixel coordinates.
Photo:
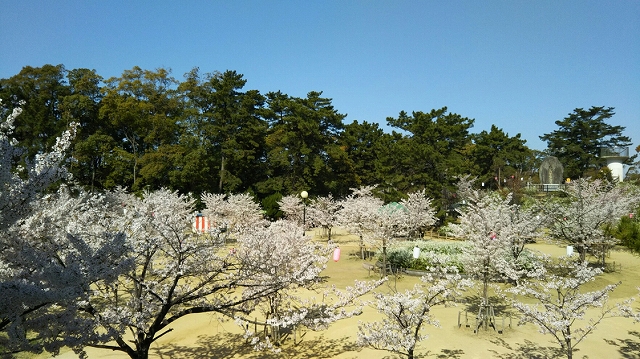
(520, 65)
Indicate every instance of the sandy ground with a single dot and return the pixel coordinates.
(205, 336)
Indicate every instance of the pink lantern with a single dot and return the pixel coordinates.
(201, 224)
(336, 254)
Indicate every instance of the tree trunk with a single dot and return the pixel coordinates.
(221, 182)
(568, 344)
(485, 283)
(582, 250)
(142, 346)
(384, 258)
(142, 353)
(485, 294)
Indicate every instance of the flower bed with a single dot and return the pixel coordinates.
(436, 254)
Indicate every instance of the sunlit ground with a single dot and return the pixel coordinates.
(206, 336)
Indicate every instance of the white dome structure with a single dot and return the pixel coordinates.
(615, 157)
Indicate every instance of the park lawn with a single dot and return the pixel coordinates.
(207, 336)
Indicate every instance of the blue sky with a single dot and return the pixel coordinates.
(520, 65)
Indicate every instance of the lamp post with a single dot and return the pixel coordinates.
(304, 196)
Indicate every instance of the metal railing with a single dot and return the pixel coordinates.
(545, 187)
(614, 152)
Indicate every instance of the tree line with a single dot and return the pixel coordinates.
(146, 130)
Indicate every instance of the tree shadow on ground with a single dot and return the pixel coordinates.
(527, 350)
(227, 345)
(629, 348)
(500, 305)
(446, 354)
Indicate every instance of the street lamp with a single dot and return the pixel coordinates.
(304, 196)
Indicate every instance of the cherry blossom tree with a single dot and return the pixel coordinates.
(176, 273)
(497, 230)
(392, 220)
(562, 304)
(388, 223)
(23, 184)
(295, 261)
(419, 213)
(358, 212)
(51, 261)
(45, 277)
(232, 213)
(323, 213)
(590, 205)
(293, 208)
(405, 314)
(282, 254)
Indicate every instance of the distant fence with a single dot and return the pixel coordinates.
(546, 187)
(435, 235)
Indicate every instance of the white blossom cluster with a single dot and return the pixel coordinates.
(377, 224)
(589, 206)
(357, 214)
(358, 210)
(20, 185)
(497, 231)
(406, 314)
(288, 311)
(47, 263)
(323, 213)
(561, 304)
(232, 213)
(293, 208)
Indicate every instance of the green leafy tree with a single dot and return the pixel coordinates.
(431, 155)
(228, 123)
(93, 143)
(93, 155)
(633, 175)
(143, 109)
(502, 162)
(627, 230)
(303, 146)
(495, 153)
(42, 89)
(580, 137)
(366, 144)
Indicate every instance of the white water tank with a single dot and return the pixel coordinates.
(615, 156)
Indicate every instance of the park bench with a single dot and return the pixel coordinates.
(370, 267)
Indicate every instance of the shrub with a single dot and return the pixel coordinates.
(628, 232)
(271, 207)
(442, 254)
(399, 258)
(432, 254)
